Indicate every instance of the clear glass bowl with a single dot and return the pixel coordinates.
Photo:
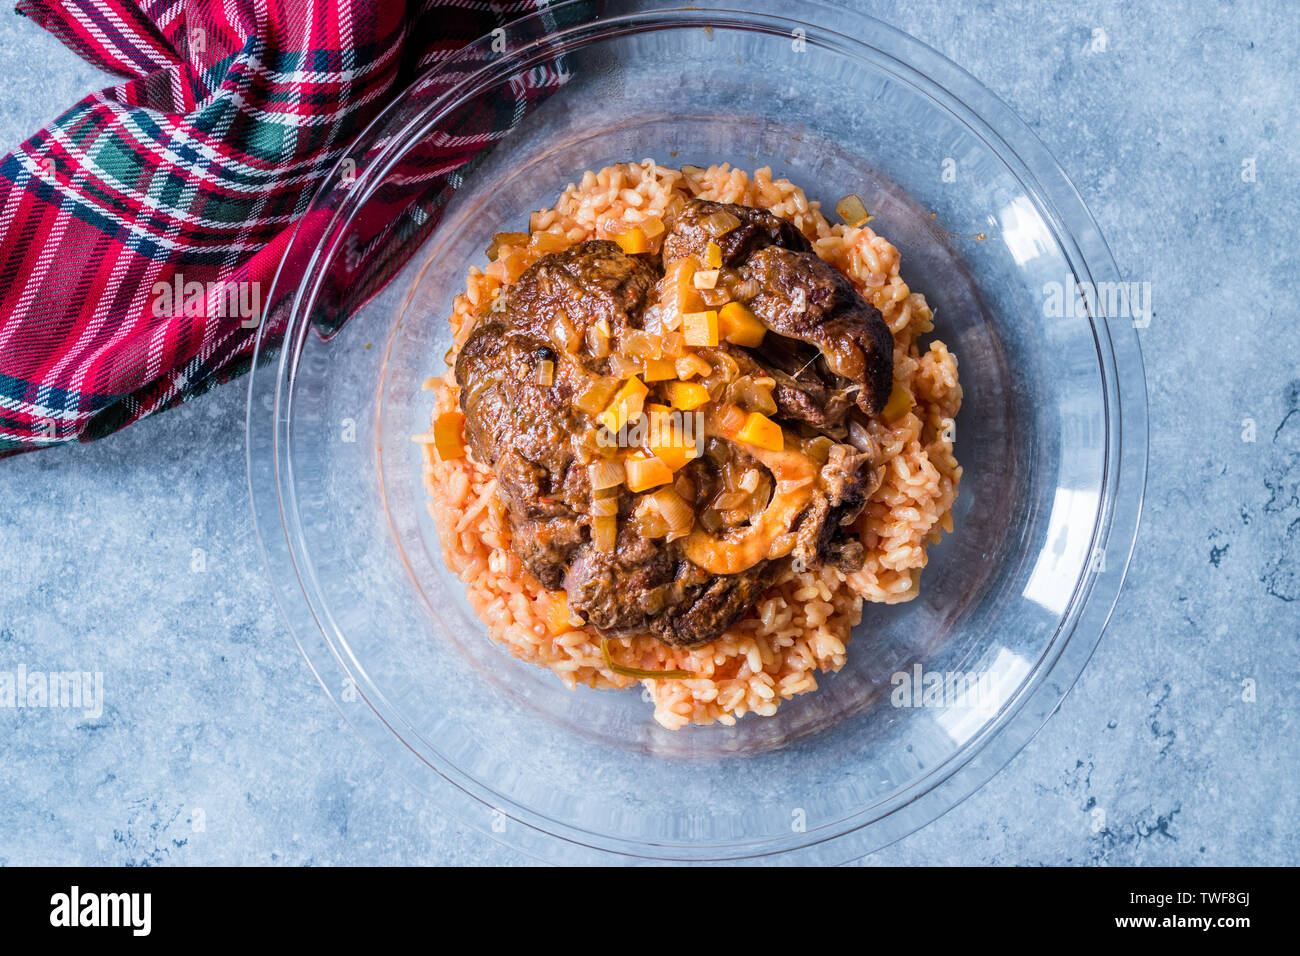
(1052, 436)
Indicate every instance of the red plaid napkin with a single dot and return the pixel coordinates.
(140, 230)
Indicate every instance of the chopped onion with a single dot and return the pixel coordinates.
(653, 318)
(642, 345)
(730, 420)
(598, 341)
(749, 481)
(706, 279)
(677, 514)
(650, 523)
(545, 242)
(545, 373)
(604, 507)
(684, 486)
(799, 300)
(819, 449)
(623, 367)
(859, 437)
(689, 366)
(853, 211)
(596, 396)
(751, 396)
(563, 332)
(726, 366)
(719, 223)
(758, 501)
(674, 344)
(605, 474)
(604, 532)
(729, 500)
(714, 298)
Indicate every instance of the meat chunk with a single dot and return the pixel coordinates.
(528, 433)
(536, 442)
(534, 352)
(821, 536)
(803, 298)
(643, 586)
(524, 432)
(696, 225)
(804, 390)
(588, 283)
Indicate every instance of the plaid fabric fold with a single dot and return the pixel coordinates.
(139, 229)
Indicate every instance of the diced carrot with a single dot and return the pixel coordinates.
(659, 419)
(739, 326)
(713, 255)
(447, 435)
(626, 405)
(505, 239)
(634, 241)
(761, 431)
(671, 446)
(700, 328)
(687, 395)
(672, 456)
(646, 471)
(514, 263)
(659, 370)
(899, 404)
(557, 615)
(545, 242)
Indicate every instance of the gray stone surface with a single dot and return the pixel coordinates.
(218, 747)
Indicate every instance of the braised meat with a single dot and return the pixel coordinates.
(580, 287)
(645, 586)
(698, 529)
(697, 224)
(804, 298)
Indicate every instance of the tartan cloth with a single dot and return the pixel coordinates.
(120, 219)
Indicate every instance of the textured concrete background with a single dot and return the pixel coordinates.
(1155, 758)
